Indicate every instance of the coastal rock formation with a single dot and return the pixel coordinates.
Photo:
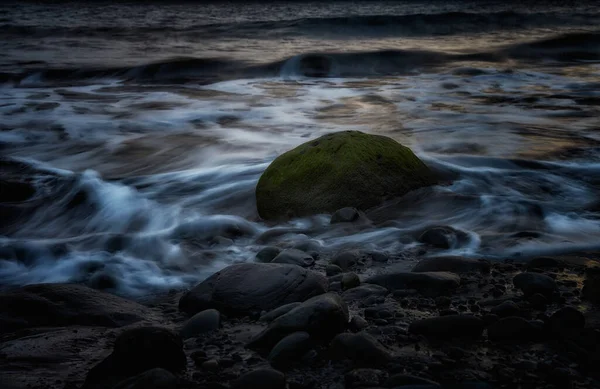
(344, 169)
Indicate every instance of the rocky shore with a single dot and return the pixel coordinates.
(353, 320)
(304, 316)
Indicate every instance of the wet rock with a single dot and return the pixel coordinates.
(345, 215)
(448, 327)
(294, 257)
(538, 301)
(506, 309)
(349, 281)
(260, 379)
(362, 349)
(310, 246)
(321, 316)
(566, 320)
(544, 263)
(275, 313)
(267, 254)
(531, 283)
(313, 178)
(66, 304)
(400, 380)
(201, 323)
(249, 287)
(444, 237)
(363, 378)
(332, 270)
(452, 264)
(364, 291)
(431, 284)
(346, 259)
(152, 379)
(210, 365)
(357, 324)
(591, 285)
(511, 330)
(290, 349)
(103, 281)
(136, 351)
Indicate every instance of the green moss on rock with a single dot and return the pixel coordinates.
(344, 169)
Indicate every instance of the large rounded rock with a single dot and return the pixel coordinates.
(321, 316)
(531, 283)
(152, 379)
(201, 323)
(452, 264)
(345, 169)
(430, 284)
(136, 351)
(66, 304)
(360, 348)
(250, 287)
(566, 319)
(448, 327)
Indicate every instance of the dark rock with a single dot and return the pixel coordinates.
(532, 283)
(346, 259)
(210, 365)
(57, 305)
(260, 379)
(321, 316)
(544, 263)
(294, 257)
(267, 254)
(103, 281)
(345, 215)
(136, 351)
(362, 378)
(202, 322)
(490, 318)
(452, 264)
(431, 284)
(400, 380)
(566, 319)
(512, 329)
(360, 348)
(152, 379)
(248, 287)
(332, 270)
(357, 324)
(309, 246)
(290, 349)
(444, 237)
(349, 281)
(363, 291)
(275, 313)
(591, 285)
(506, 309)
(448, 327)
(332, 172)
(538, 301)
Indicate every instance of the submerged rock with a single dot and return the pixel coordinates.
(294, 257)
(345, 215)
(344, 169)
(444, 237)
(321, 316)
(430, 284)
(267, 254)
(253, 287)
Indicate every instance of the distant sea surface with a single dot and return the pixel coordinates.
(132, 135)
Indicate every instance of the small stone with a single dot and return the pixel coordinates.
(211, 365)
(201, 323)
(345, 215)
(357, 324)
(349, 281)
(444, 237)
(333, 270)
(361, 378)
(267, 254)
(346, 259)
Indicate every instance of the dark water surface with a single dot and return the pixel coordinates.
(132, 136)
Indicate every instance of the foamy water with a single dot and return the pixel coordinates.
(145, 174)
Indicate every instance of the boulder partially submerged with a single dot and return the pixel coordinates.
(344, 169)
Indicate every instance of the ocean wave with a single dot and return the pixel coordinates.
(448, 23)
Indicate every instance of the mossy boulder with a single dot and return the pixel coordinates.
(343, 169)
